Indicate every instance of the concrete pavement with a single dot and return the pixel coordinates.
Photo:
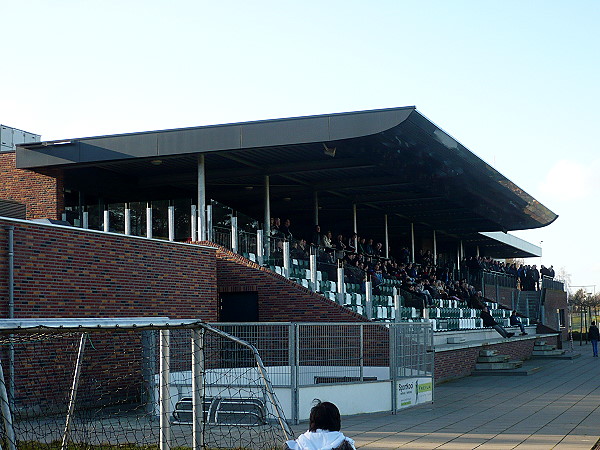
(555, 408)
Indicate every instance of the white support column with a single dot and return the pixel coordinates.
(397, 304)
(234, 234)
(387, 237)
(478, 251)
(198, 388)
(316, 208)
(341, 285)
(267, 217)
(86, 220)
(313, 269)
(149, 221)
(412, 242)
(369, 299)
(260, 247)
(106, 221)
(164, 401)
(171, 222)
(286, 258)
(194, 222)
(457, 258)
(434, 248)
(201, 199)
(127, 219)
(209, 221)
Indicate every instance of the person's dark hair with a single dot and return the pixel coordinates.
(325, 416)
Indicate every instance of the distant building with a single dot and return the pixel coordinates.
(11, 137)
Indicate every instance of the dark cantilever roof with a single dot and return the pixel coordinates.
(394, 161)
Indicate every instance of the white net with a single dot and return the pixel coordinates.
(100, 388)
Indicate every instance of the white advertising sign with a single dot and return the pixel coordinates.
(413, 391)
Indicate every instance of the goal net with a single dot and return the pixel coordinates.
(134, 384)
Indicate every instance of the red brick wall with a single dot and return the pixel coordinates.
(69, 272)
(459, 363)
(279, 299)
(42, 193)
(553, 300)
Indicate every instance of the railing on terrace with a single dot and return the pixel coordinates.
(549, 283)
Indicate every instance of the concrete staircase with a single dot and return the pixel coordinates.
(490, 363)
(542, 350)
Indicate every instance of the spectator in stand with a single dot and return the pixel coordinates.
(404, 255)
(594, 336)
(369, 250)
(316, 237)
(552, 274)
(327, 241)
(488, 321)
(285, 229)
(362, 244)
(516, 322)
(340, 247)
(544, 271)
(378, 250)
(351, 245)
(476, 300)
(522, 274)
(275, 224)
(299, 249)
(536, 278)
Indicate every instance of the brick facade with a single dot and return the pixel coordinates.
(460, 363)
(69, 272)
(280, 300)
(41, 193)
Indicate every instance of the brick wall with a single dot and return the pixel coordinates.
(42, 193)
(279, 299)
(553, 300)
(69, 272)
(459, 363)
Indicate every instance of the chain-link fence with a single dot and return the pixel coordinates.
(318, 358)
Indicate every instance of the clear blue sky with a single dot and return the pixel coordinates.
(514, 81)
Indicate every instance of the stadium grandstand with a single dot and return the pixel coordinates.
(373, 218)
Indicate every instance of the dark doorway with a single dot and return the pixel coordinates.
(238, 307)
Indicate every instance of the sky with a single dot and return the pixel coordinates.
(515, 81)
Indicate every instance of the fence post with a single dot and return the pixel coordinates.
(369, 300)
(293, 356)
(286, 258)
(393, 366)
(165, 402)
(260, 247)
(209, 226)
(198, 387)
(313, 269)
(171, 222)
(341, 286)
(234, 234)
(106, 221)
(397, 304)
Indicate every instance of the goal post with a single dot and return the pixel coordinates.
(139, 382)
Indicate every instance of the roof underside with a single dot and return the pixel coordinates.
(393, 162)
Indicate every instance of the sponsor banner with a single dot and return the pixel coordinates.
(413, 391)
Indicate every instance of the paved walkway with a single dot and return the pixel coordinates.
(555, 408)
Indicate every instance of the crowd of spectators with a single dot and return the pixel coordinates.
(364, 258)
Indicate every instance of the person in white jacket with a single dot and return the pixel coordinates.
(323, 431)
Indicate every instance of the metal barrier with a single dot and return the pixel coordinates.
(549, 283)
(305, 356)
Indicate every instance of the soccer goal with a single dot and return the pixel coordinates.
(135, 383)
